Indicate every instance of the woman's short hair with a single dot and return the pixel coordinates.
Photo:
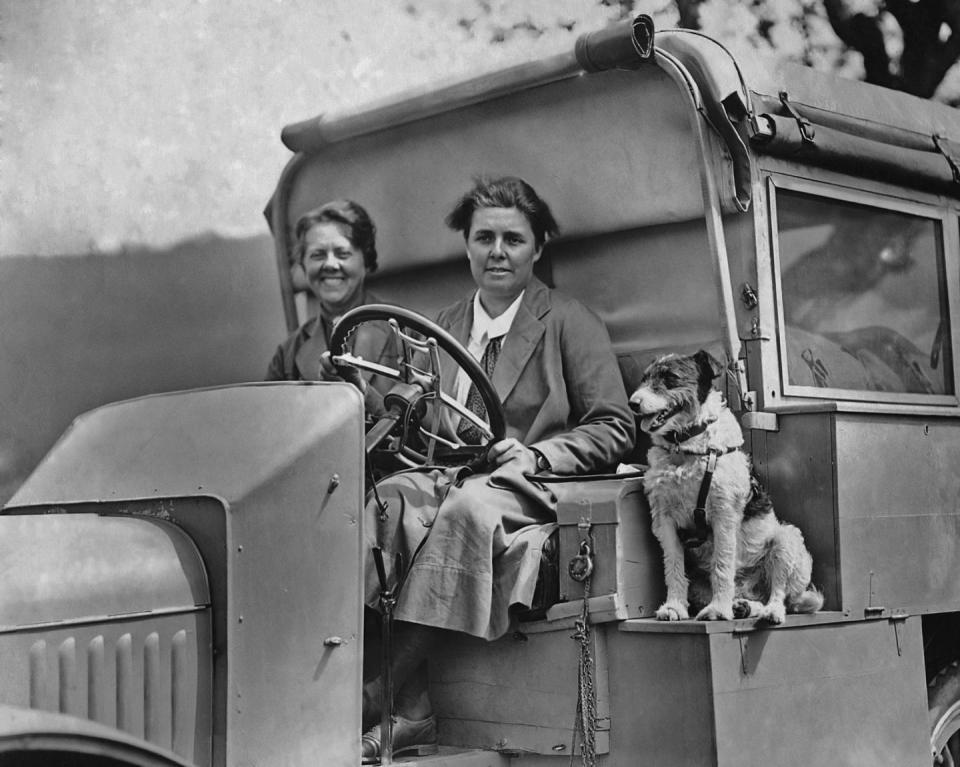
(353, 217)
(504, 192)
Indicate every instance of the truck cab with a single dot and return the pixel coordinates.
(184, 570)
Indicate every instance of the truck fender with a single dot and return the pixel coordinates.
(30, 738)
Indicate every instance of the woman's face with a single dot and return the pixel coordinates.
(334, 267)
(502, 251)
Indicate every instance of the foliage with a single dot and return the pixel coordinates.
(152, 121)
(930, 41)
(902, 44)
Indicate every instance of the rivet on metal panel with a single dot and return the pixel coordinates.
(332, 642)
(334, 483)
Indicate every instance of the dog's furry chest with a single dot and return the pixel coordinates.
(673, 483)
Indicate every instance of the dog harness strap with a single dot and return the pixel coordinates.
(700, 513)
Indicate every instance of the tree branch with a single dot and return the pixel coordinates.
(689, 11)
(926, 58)
(862, 33)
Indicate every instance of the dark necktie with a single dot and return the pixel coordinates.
(467, 431)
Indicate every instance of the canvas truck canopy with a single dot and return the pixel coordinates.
(611, 158)
(657, 168)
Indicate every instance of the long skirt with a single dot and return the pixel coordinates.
(470, 546)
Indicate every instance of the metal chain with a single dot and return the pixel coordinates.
(585, 723)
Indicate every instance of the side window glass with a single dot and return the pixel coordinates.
(863, 298)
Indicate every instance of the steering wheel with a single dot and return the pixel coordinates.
(418, 382)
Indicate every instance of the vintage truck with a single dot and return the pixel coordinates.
(182, 573)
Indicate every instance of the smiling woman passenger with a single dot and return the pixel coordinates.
(335, 246)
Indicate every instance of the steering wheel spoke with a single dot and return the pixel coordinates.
(371, 367)
(467, 414)
(420, 381)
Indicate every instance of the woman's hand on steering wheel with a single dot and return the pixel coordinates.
(331, 372)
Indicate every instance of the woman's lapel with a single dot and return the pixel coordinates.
(522, 339)
(308, 355)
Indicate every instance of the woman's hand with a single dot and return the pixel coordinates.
(331, 372)
(514, 452)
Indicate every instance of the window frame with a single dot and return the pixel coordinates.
(945, 215)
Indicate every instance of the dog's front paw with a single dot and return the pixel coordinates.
(672, 611)
(773, 613)
(716, 612)
(746, 608)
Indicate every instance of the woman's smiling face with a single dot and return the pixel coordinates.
(502, 250)
(334, 267)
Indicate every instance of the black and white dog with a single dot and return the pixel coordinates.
(744, 561)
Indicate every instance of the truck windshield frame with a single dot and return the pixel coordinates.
(865, 288)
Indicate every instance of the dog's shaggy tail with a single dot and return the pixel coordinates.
(810, 601)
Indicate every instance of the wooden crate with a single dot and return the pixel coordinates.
(627, 580)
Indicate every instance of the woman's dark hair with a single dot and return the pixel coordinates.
(360, 229)
(505, 192)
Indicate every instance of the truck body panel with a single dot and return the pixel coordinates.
(267, 481)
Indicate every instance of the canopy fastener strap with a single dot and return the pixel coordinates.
(948, 149)
(807, 131)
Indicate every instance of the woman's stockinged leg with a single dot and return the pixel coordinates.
(413, 644)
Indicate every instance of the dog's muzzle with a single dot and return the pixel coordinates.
(651, 422)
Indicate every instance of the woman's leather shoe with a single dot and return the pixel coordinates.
(410, 738)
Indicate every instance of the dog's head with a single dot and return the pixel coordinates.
(672, 389)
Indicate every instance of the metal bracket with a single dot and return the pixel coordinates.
(897, 618)
(946, 148)
(872, 610)
(757, 419)
(762, 129)
(807, 131)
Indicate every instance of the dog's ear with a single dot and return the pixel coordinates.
(709, 368)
